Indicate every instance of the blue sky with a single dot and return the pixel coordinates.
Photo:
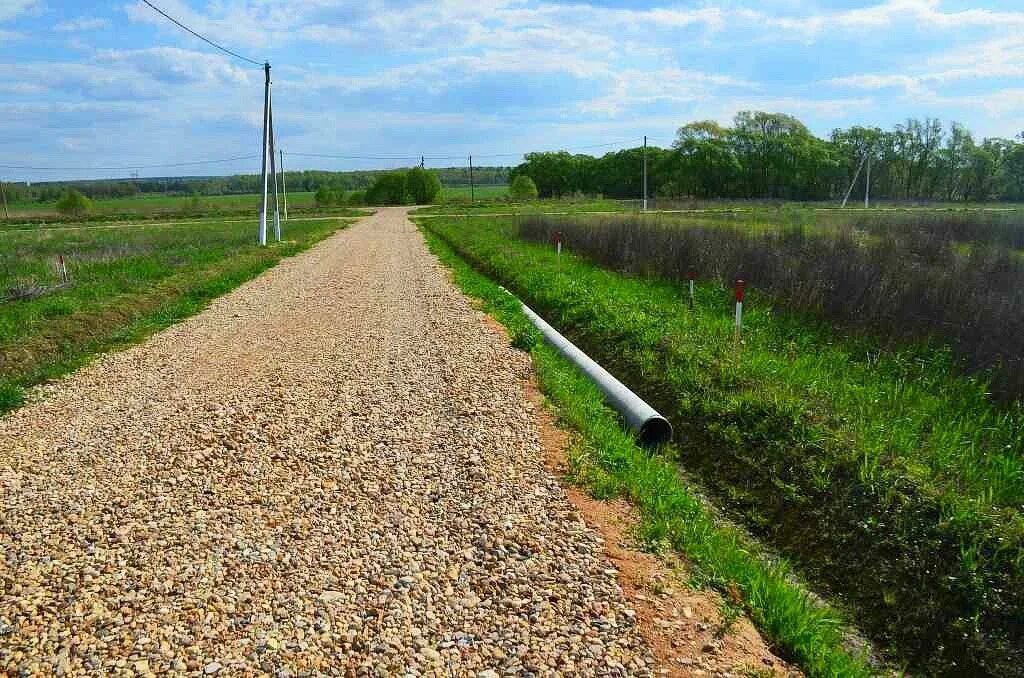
(114, 84)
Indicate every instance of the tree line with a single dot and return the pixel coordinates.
(307, 180)
(774, 156)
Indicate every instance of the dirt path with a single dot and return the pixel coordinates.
(333, 467)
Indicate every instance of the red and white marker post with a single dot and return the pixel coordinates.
(740, 289)
(62, 269)
(691, 275)
(556, 238)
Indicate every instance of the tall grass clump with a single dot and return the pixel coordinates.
(952, 278)
(892, 481)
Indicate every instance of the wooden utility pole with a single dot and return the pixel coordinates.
(3, 194)
(262, 236)
(472, 189)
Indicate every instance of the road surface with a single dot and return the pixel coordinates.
(333, 469)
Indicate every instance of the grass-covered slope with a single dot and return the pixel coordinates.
(893, 483)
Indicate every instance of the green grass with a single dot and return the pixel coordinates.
(125, 283)
(479, 192)
(607, 461)
(891, 482)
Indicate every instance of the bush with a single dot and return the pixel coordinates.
(523, 188)
(356, 199)
(326, 196)
(74, 204)
(388, 189)
(422, 186)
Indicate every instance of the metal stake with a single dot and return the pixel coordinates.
(262, 236)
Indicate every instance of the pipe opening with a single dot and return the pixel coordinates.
(655, 431)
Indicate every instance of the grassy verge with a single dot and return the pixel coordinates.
(124, 285)
(889, 480)
(608, 462)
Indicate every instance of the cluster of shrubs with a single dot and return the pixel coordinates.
(329, 196)
(416, 186)
(908, 278)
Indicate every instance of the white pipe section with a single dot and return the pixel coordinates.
(651, 428)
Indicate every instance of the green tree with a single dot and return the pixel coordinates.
(523, 188)
(74, 204)
(388, 189)
(422, 186)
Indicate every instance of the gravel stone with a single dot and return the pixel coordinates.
(333, 469)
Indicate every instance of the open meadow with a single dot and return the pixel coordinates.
(867, 426)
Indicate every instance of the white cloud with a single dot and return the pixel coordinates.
(82, 24)
(10, 9)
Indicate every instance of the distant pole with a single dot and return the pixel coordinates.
(472, 189)
(262, 237)
(421, 162)
(645, 174)
(854, 182)
(284, 187)
(867, 185)
(3, 194)
(273, 174)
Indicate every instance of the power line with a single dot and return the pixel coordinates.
(129, 167)
(201, 37)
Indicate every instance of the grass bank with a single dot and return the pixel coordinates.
(607, 461)
(893, 484)
(124, 284)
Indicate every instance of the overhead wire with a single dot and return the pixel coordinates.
(200, 36)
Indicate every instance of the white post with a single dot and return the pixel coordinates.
(691, 275)
(262, 236)
(739, 307)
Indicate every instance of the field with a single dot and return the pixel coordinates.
(165, 204)
(875, 461)
(124, 282)
(486, 192)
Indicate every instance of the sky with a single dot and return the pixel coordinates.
(114, 84)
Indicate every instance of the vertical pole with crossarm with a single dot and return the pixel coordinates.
(266, 132)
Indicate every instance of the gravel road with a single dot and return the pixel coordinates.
(333, 469)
